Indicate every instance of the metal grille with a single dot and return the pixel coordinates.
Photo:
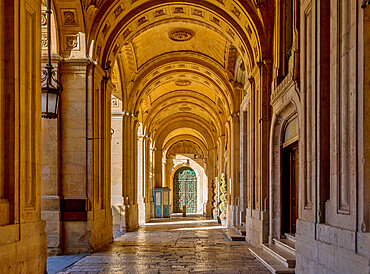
(185, 190)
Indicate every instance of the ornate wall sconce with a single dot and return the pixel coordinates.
(50, 95)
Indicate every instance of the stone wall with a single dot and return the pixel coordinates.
(23, 248)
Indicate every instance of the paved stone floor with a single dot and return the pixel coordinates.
(175, 245)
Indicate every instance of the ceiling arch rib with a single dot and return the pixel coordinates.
(159, 72)
(175, 122)
(185, 134)
(185, 99)
(185, 147)
(175, 138)
(185, 109)
(180, 80)
(178, 60)
(234, 22)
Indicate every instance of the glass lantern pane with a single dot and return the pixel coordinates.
(43, 101)
(52, 102)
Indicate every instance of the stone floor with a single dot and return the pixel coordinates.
(175, 245)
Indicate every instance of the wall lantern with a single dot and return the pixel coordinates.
(50, 95)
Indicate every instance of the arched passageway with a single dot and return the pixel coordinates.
(270, 94)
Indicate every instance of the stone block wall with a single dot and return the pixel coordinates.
(23, 248)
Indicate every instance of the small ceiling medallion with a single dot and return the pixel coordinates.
(182, 83)
(185, 108)
(181, 35)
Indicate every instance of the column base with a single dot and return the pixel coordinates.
(257, 229)
(118, 212)
(208, 210)
(131, 217)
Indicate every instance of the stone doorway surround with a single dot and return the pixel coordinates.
(283, 109)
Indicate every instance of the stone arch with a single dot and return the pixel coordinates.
(233, 14)
(202, 186)
(278, 123)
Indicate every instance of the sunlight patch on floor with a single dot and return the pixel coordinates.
(199, 228)
(180, 222)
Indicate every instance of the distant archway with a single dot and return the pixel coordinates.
(185, 190)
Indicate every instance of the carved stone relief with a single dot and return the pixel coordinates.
(118, 11)
(179, 10)
(181, 35)
(142, 20)
(69, 18)
(182, 83)
(159, 13)
(106, 29)
(71, 42)
(44, 40)
(43, 18)
(198, 12)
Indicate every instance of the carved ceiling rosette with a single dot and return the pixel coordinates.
(181, 35)
(182, 82)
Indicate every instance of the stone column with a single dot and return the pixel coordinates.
(50, 180)
(130, 173)
(151, 178)
(210, 172)
(85, 150)
(117, 167)
(23, 238)
(234, 184)
(141, 178)
(147, 171)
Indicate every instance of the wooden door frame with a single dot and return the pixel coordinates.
(284, 150)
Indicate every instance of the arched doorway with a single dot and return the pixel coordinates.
(290, 177)
(185, 190)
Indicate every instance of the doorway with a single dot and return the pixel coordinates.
(289, 189)
(290, 178)
(185, 190)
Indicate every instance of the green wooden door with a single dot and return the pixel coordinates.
(185, 190)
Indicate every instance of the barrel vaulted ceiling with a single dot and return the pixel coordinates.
(172, 62)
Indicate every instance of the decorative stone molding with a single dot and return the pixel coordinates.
(106, 29)
(178, 10)
(182, 82)
(142, 20)
(118, 11)
(236, 12)
(231, 33)
(185, 108)
(69, 18)
(43, 18)
(159, 13)
(198, 12)
(71, 42)
(181, 35)
(126, 33)
(215, 20)
(115, 102)
(44, 40)
(284, 86)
